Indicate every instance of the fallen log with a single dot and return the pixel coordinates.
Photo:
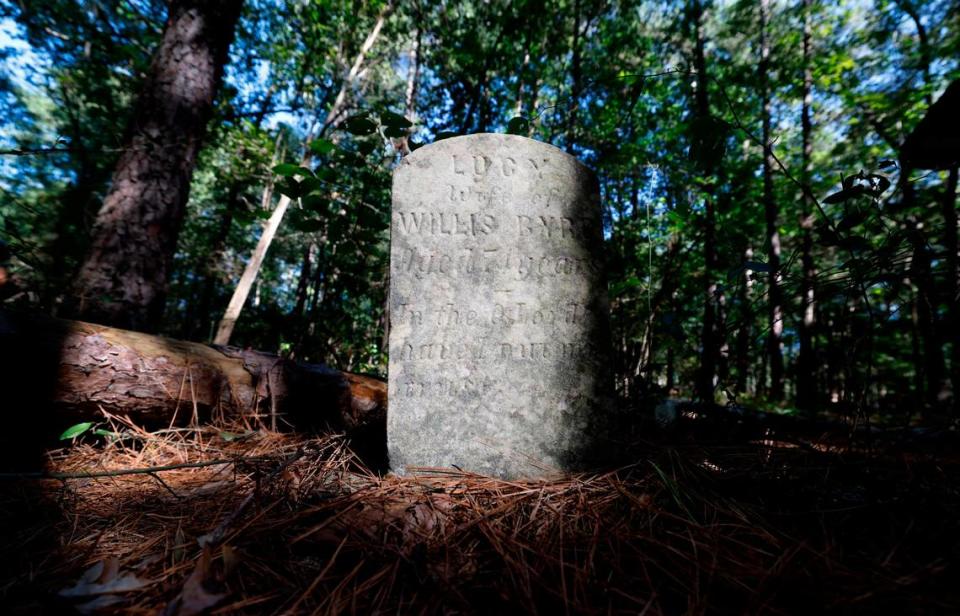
(76, 369)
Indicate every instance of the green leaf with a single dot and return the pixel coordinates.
(395, 132)
(290, 187)
(826, 237)
(622, 287)
(359, 125)
(352, 159)
(394, 120)
(326, 174)
(311, 185)
(286, 169)
(76, 430)
(845, 194)
(314, 203)
(518, 126)
(880, 184)
(304, 172)
(366, 148)
(322, 146)
(852, 219)
(244, 217)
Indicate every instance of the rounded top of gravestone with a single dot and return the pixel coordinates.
(487, 142)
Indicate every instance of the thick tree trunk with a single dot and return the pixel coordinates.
(124, 277)
(775, 301)
(83, 368)
(709, 345)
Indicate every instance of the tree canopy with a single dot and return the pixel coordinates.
(765, 243)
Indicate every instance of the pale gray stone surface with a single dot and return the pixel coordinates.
(499, 321)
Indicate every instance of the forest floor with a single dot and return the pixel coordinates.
(264, 522)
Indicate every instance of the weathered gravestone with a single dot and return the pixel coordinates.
(499, 321)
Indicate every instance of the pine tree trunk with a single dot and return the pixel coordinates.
(708, 339)
(82, 368)
(775, 301)
(806, 364)
(123, 280)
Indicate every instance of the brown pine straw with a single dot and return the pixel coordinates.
(297, 524)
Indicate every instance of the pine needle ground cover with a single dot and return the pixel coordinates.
(232, 520)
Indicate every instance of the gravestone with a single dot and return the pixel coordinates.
(499, 320)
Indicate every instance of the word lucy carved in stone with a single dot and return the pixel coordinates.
(499, 322)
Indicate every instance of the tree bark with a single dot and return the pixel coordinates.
(156, 380)
(952, 286)
(709, 346)
(575, 79)
(743, 331)
(806, 364)
(931, 386)
(775, 301)
(123, 280)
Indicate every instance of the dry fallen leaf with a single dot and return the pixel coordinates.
(195, 598)
(104, 578)
(231, 560)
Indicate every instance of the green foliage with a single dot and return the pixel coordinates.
(611, 83)
(76, 430)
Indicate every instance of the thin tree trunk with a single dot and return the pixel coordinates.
(198, 326)
(303, 285)
(201, 327)
(775, 302)
(926, 55)
(249, 276)
(522, 73)
(412, 90)
(575, 78)
(933, 370)
(475, 96)
(124, 277)
(743, 332)
(952, 286)
(806, 380)
(333, 117)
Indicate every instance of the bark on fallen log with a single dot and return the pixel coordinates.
(77, 368)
